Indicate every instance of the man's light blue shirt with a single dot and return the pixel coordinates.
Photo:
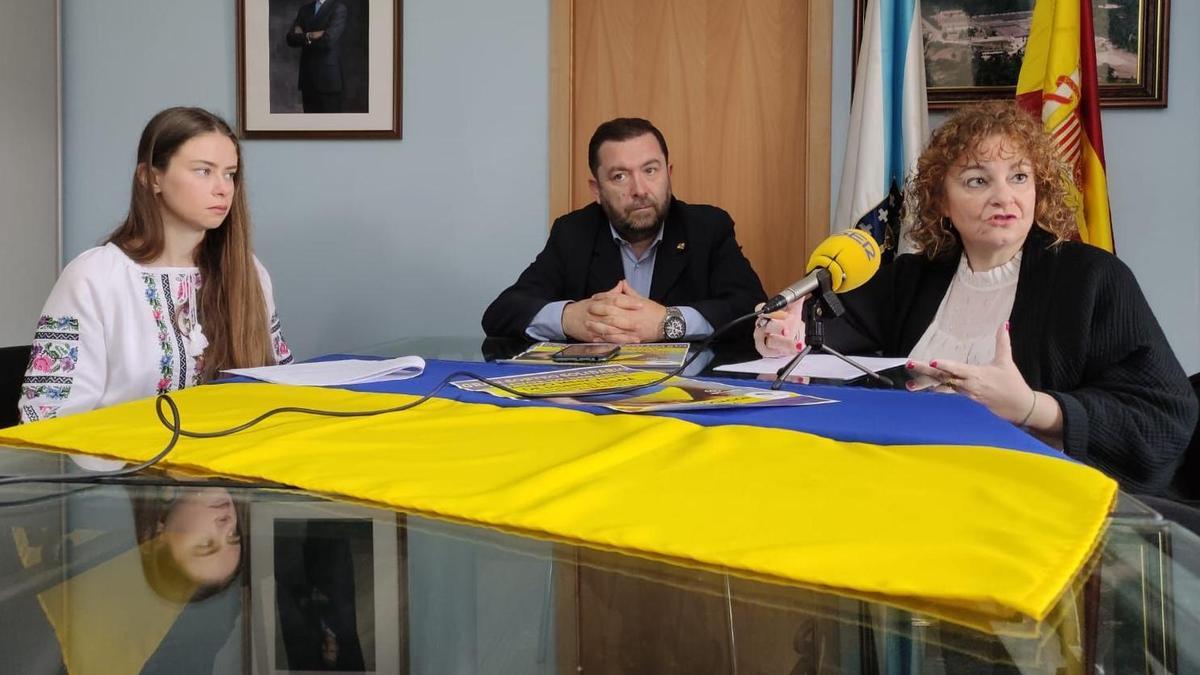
(547, 323)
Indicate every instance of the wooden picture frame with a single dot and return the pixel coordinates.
(969, 59)
(332, 74)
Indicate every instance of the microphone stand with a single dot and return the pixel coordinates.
(823, 301)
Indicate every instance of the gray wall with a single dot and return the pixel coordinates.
(28, 166)
(1153, 172)
(365, 240)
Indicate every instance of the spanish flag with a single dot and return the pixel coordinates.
(1058, 81)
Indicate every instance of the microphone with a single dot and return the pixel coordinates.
(849, 258)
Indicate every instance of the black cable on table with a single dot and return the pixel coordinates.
(175, 426)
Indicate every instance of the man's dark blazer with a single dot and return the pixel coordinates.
(699, 264)
(320, 61)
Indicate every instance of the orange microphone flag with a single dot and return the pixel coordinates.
(1058, 84)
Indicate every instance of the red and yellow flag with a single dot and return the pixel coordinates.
(1058, 83)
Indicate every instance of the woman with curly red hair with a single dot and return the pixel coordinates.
(999, 304)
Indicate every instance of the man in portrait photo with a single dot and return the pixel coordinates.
(317, 32)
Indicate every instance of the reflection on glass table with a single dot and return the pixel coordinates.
(163, 573)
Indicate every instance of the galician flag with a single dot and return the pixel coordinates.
(1058, 84)
(889, 120)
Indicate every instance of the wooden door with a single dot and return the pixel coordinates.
(740, 89)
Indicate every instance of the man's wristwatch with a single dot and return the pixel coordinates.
(673, 325)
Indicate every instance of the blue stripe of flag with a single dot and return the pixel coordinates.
(895, 19)
(901, 23)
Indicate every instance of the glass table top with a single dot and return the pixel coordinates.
(170, 573)
(160, 573)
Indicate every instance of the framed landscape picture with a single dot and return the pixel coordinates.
(974, 48)
(319, 68)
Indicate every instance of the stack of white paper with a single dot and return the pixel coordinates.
(336, 373)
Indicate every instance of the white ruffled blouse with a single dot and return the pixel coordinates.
(113, 331)
(973, 309)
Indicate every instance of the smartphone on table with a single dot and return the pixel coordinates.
(586, 353)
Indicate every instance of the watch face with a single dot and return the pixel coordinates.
(673, 327)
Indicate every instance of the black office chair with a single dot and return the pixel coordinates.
(13, 362)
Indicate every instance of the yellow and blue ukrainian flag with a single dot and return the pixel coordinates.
(924, 501)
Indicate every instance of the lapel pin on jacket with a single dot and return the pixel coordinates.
(681, 246)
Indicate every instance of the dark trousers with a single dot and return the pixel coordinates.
(318, 102)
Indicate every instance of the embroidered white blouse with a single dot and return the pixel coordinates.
(113, 330)
(974, 307)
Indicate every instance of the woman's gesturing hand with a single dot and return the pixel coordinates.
(780, 333)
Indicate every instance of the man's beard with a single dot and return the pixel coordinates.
(633, 225)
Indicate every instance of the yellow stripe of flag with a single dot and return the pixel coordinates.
(972, 534)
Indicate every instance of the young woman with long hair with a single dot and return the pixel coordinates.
(174, 296)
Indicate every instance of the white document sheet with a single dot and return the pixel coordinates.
(815, 365)
(336, 373)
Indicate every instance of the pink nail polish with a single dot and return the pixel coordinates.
(799, 345)
(1007, 325)
(910, 365)
(933, 364)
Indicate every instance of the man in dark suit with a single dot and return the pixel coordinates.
(636, 266)
(317, 31)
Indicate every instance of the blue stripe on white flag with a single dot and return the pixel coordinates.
(902, 18)
(888, 55)
(888, 119)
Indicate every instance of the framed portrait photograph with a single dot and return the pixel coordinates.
(319, 68)
(974, 48)
(327, 589)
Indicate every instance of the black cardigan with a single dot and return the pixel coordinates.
(1081, 332)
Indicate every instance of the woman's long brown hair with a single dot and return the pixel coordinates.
(232, 308)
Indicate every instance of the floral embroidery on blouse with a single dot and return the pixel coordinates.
(52, 361)
(67, 323)
(188, 323)
(179, 344)
(165, 369)
(53, 357)
(283, 353)
(53, 392)
(41, 411)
